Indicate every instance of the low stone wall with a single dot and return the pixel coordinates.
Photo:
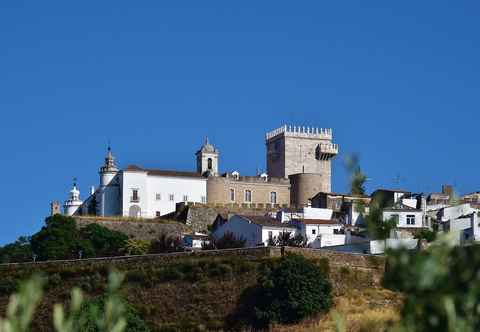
(336, 259)
(140, 230)
(153, 259)
(340, 259)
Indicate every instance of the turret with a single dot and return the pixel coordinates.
(207, 159)
(73, 202)
(109, 169)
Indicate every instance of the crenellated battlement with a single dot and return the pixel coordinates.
(301, 131)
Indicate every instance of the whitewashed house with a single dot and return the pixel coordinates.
(321, 233)
(256, 230)
(453, 212)
(407, 217)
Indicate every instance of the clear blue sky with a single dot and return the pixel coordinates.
(398, 81)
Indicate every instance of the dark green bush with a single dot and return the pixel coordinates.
(292, 290)
(54, 280)
(227, 241)
(7, 286)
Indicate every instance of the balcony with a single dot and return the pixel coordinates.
(326, 151)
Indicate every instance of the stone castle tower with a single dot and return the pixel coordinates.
(304, 155)
(207, 159)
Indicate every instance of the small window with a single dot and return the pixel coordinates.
(185, 198)
(158, 197)
(410, 219)
(204, 200)
(209, 163)
(157, 213)
(171, 197)
(270, 234)
(232, 195)
(314, 231)
(135, 197)
(273, 197)
(248, 196)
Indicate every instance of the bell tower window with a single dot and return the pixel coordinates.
(209, 163)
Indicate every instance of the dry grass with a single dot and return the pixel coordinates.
(369, 310)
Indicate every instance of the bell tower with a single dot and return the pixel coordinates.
(207, 159)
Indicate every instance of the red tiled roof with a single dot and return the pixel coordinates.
(320, 222)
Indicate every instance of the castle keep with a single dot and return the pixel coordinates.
(298, 167)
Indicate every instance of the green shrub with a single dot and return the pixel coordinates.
(54, 280)
(136, 247)
(227, 241)
(292, 290)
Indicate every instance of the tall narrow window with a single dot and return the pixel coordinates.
(232, 195)
(204, 200)
(209, 163)
(171, 197)
(248, 196)
(158, 197)
(185, 198)
(135, 197)
(273, 197)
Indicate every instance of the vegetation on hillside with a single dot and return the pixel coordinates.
(61, 239)
(227, 241)
(288, 240)
(105, 314)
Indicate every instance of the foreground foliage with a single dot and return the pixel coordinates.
(106, 314)
(441, 285)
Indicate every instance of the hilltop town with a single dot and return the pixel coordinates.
(293, 196)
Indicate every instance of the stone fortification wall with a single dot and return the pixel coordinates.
(218, 190)
(137, 229)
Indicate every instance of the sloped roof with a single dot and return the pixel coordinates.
(266, 221)
(160, 172)
(319, 222)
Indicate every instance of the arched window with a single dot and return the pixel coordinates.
(209, 163)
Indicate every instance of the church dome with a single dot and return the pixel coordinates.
(207, 147)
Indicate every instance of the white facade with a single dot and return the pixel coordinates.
(149, 194)
(378, 247)
(252, 231)
(305, 213)
(465, 229)
(406, 218)
(456, 211)
(137, 192)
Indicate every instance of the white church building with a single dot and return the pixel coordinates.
(140, 192)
